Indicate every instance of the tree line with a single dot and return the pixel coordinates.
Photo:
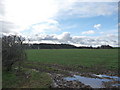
(62, 46)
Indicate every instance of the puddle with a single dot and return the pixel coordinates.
(106, 76)
(93, 82)
(117, 85)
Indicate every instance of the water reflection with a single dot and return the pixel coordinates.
(93, 82)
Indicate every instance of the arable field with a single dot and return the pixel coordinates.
(108, 58)
(46, 68)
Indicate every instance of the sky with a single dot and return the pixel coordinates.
(81, 23)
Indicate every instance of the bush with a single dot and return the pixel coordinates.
(12, 51)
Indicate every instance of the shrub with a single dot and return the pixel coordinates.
(12, 51)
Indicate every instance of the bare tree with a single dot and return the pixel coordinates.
(12, 51)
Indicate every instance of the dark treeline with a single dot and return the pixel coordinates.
(49, 46)
(62, 46)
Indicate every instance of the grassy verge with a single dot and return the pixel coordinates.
(26, 79)
(10, 80)
(37, 79)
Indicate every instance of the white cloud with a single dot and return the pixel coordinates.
(89, 32)
(24, 13)
(89, 9)
(97, 26)
(2, 12)
(65, 37)
(8, 27)
(96, 41)
(97, 0)
(47, 26)
(43, 37)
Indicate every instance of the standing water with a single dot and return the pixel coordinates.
(93, 82)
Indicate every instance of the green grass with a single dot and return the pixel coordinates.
(85, 57)
(10, 80)
(35, 79)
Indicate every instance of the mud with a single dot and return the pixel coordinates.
(77, 81)
(81, 77)
(60, 82)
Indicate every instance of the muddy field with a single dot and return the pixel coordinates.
(69, 77)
